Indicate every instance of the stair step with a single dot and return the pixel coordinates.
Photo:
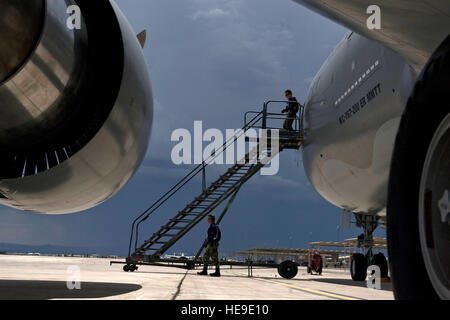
(172, 228)
(181, 220)
(196, 206)
(216, 193)
(203, 203)
(212, 199)
(161, 235)
(143, 250)
(220, 184)
(194, 213)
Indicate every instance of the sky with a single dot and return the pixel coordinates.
(211, 60)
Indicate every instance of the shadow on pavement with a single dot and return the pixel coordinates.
(44, 290)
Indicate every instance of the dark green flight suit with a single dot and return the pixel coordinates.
(212, 251)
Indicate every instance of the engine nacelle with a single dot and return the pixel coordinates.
(76, 105)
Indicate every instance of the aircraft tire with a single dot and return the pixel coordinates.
(288, 269)
(358, 267)
(380, 260)
(427, 108)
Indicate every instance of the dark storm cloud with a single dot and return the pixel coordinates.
(211, 60)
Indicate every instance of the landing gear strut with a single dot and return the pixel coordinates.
(359, 261)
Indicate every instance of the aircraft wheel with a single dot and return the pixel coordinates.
(288, 269)
(133, 268)
(126, 268)
(418, 208)
(380, 260)
(358, 267)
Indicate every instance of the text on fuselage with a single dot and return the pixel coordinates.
(363, 102)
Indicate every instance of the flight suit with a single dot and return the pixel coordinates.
(291, 109)
(212, 253)
(212, 247)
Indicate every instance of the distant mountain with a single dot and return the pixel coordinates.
(52, 249)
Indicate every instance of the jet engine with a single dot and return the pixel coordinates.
(76, 104)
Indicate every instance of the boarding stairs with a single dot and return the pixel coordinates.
(262, 150)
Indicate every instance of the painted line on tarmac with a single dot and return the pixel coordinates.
(316, 292)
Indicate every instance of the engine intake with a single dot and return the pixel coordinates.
(70, 100)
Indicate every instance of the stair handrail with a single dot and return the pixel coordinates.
(186, 179)
(262, 115)
(267, 115)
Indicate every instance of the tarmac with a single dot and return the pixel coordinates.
(45, 278)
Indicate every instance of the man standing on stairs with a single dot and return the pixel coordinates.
(212, 248)
(291, 109)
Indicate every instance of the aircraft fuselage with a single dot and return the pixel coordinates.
(352, 114)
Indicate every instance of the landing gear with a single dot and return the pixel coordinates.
(359, 261)
(288, 269)
(358, 267)
(418, 208)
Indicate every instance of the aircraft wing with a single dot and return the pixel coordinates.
(412, 28)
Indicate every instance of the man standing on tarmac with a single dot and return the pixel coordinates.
(212, 253)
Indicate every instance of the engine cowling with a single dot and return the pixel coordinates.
(76, 105)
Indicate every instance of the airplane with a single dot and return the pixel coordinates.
(377, 136)
(80, 113)
(80, 104)
(177, 256)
